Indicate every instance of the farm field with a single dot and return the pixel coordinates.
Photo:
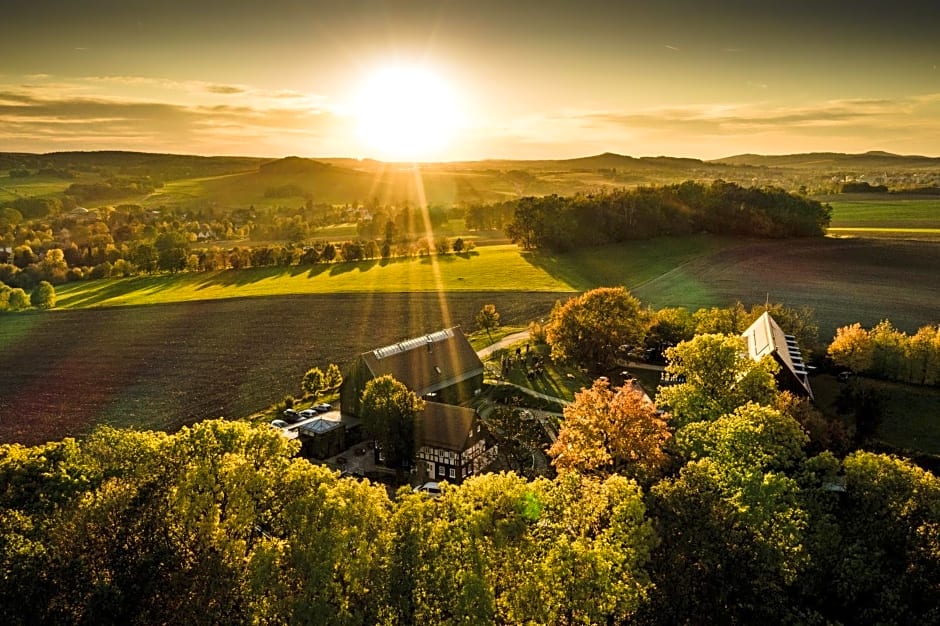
(844, 280)
(161, 367)
(33, 186)
(160, 352)
(494, 268)
(488, 268)
(886, 216)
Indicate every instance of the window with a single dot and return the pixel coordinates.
(453, 474)
(440, 470)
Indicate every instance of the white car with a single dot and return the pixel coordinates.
(279, 424)
(323, 407)
(432, 489)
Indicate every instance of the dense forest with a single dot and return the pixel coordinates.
(561, 223)
(219, 524)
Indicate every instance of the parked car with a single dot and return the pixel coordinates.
(307, 413)
(279, 424)
(291, 416)
(432, 489)
(323, 407)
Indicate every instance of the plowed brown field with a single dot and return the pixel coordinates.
(165, 366)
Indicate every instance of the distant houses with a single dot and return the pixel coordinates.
(765, 337)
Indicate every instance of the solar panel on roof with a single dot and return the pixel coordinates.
(411, 344)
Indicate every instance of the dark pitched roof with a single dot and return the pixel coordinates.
(428, 363)
(445, 426)
(765, 337)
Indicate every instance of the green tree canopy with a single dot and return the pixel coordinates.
(332, 377)
(589, 328)
(719, 376)
(753, 436)
(313, 383)
(43, 296)
(390, 414)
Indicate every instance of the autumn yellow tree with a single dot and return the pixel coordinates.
(852, 348)
(608, 431)
(924, 354)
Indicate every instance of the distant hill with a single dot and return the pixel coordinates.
(117, 162)
(833, 161)
(237, 181)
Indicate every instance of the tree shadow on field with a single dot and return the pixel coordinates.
(559, 267)
(345, 267)
(99, 291)
(239, 278)
(311, 271)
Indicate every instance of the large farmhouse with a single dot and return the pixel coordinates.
(765, 337)
(452, 443)
(444, 369)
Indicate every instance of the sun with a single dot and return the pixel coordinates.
(406, 113)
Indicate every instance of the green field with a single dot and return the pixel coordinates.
(843, 280)
(494, 268)
(31, 186)
(885, 212)
(488, 268)
(886, 216)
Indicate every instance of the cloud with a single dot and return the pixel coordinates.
(905, 125)
(224, 89)
(755, 116)
(36, 120)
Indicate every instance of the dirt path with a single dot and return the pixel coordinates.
(505, 342)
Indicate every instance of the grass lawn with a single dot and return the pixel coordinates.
(911, 419)
(480, 338)
(558, 380)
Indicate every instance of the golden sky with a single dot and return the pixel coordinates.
(514, 79)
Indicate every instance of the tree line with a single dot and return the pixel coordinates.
(886, 352)
(129, 240)
(561, 223)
